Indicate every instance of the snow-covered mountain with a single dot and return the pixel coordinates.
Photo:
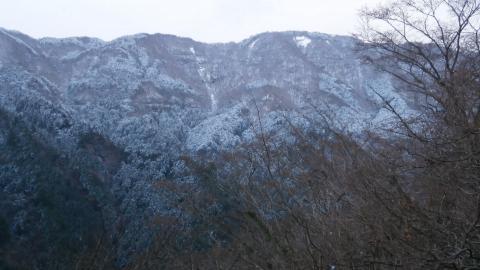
(117, 115)
(145, 81)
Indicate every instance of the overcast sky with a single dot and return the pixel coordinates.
(202, 20)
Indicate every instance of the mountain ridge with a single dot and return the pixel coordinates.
(140, 34)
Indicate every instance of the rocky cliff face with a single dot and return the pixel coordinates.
(88, 127)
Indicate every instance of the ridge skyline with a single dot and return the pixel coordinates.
(139, 34)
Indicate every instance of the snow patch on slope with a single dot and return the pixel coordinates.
(252, 45)
(302, 41)
(206, 78)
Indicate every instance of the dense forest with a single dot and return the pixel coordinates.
(408, 198)
(405, 195)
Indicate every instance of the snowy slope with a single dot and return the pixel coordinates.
(122, 113)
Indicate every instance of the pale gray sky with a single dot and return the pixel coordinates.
(202, 20)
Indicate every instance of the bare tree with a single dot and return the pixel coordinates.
(431, 47)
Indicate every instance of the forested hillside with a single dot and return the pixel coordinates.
(288, 150)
